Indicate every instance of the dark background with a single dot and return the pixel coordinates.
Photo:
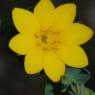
(13, 80)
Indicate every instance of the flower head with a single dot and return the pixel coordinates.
(49, 38)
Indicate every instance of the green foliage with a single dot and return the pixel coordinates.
(73, 75)
(89, 92)
(73, 82)
(80, 89)
(49, 90)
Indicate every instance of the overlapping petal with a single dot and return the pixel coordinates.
(73, 56)
(54, 68)
(76, 34)
(25, 21)
(22, 43)
(34, 61)
(44, 11)
(64, 15)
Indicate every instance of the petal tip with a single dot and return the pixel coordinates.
(29, 71)
(14, 10)
(71, 5)
(10, 44)
(56, 80)
(17, 10)
(92, 33)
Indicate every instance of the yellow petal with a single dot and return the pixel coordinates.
(33, 61)
(64, 15)
(25, 21)
(76, 34)
(73, 56)
(22, 43)
(44, 12)
(53, 67)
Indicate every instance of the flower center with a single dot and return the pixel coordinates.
(44, 39)
(49, 40)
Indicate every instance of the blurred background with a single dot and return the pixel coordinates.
(13, 79)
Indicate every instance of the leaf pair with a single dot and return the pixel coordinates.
(73, 82)
(73, 75)
(80, 89)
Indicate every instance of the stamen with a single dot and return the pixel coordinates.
(38, 44)
(45, 49)
(54, 48)
(56, 42)
(36, 36)
(44, 38)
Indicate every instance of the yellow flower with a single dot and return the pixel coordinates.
(49, 39)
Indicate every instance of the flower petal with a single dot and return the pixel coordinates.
(25, 21)
(64, 15)
(44, 12)
(22, 43)
(73, 56)
(33, 61)
(76, 34)
(53, 67)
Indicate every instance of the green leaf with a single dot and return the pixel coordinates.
(80, 89)
(49, 90)
(73, 75)
(89, 92)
